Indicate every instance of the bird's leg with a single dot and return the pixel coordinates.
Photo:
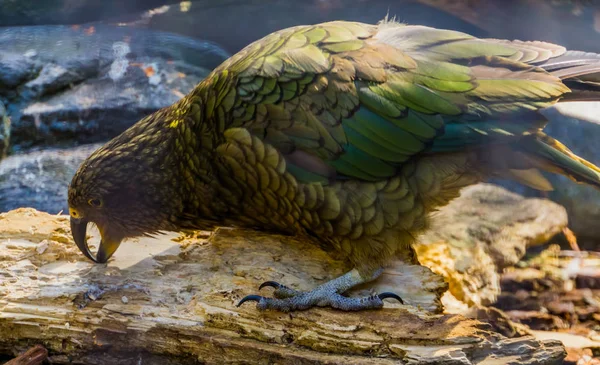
(327, 294)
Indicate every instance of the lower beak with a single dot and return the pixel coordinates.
(107, 246)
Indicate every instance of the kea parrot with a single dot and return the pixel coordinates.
(352, 134)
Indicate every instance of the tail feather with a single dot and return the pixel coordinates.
(546, 153)
(580, 72)
(568, 60)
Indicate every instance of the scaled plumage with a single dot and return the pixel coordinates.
(348, 132)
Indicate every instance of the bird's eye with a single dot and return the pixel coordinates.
(95, 202)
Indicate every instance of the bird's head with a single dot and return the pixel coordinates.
(125, 190)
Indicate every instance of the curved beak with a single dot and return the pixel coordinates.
(79, 230)
(107, 246)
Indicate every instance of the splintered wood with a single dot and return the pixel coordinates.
(180, 305)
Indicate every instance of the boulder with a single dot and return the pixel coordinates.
(84, 84)
(172, 300)
(40, 178)
(485, 230)
(15, 69)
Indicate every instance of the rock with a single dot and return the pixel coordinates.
(583, 355)
(541, 294)
(537, 320)
(15, 69)
(54, 77)
(100, 108)
(528, 279)
(569, 340)
(499, 321)
(480, 233)
(520, 300)
(40, 178)
(182, 291)
(88, 83)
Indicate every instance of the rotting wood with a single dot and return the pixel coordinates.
(172, 300)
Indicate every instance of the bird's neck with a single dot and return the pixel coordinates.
(193, 144)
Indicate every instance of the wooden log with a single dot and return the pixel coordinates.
(171, 300)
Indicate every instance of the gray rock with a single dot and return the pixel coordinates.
(102, 107)
(485, 230)
(89, 83)
(40, 179)
(14, 69)
(54, 77)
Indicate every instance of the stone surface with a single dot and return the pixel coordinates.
(181, 293)
(546, 293)
(40, 179)
(65, 84)
(483, 231)
(15, 69)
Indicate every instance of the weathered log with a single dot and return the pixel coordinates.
(171, 300)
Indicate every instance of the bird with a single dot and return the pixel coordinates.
(350, 134)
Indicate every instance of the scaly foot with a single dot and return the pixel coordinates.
(328, 294)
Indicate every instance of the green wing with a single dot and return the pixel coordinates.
(350, 100)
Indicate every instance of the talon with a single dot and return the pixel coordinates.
(272, 284)
(386, 295)
(250, 298)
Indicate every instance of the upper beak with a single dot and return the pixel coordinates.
(107, 246)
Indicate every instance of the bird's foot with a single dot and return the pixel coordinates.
(328, 294)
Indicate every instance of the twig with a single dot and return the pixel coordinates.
(34, 356)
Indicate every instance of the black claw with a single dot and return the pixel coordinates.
(386, 295)
(250, 298)
(272, 284)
